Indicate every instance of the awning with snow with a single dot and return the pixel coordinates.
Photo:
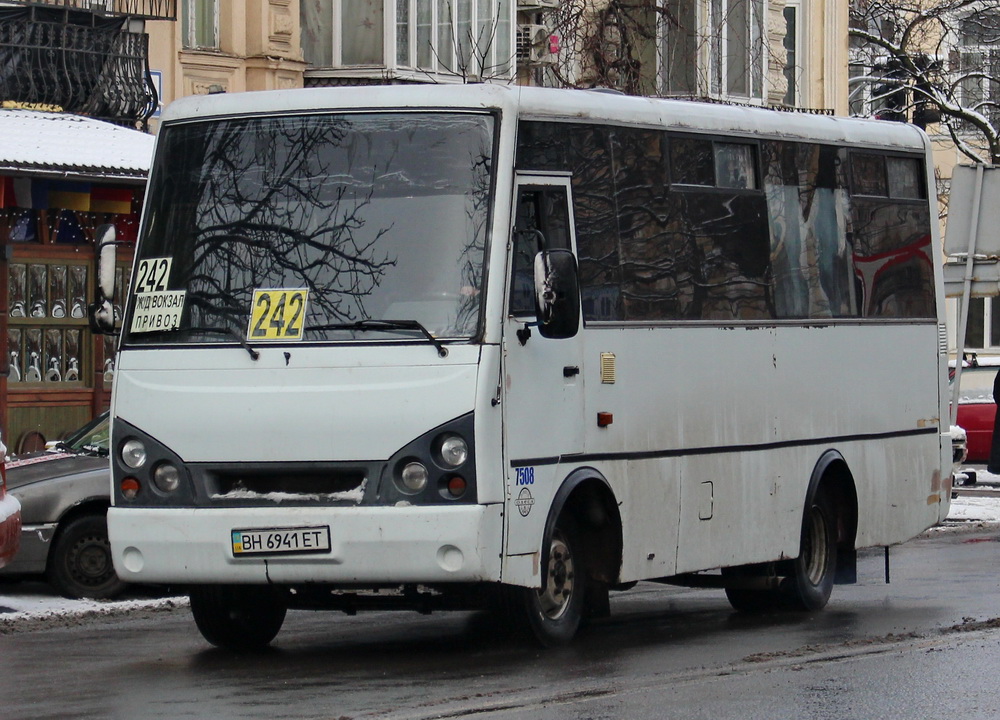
(59, 146)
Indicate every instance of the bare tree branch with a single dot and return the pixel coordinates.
(931, 61)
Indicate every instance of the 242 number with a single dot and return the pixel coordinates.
(277, 314)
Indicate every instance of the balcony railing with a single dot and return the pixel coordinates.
(96, 68)
(147, 9)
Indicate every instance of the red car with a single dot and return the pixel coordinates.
(977, 409)
(10, 515)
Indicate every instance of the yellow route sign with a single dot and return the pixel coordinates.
(277, 315)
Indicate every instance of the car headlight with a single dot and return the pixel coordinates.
(413, 477)
(166, 477)
(134, 453)
(454, 450)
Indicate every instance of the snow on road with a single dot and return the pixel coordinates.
(33, 605)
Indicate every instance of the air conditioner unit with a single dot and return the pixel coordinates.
(536, 45)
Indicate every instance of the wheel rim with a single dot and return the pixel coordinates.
(816, 551)
(89, 562)
(554, 599)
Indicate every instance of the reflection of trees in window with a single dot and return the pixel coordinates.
(584, 150)
(541, 223)
(365, 211)
(893, 264)
(657, 263)
(804, 248)
(646, 253)
(730, 232)
(471, 257)
(807, 201)
(261, 211)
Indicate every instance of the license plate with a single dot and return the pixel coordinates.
(271, 541)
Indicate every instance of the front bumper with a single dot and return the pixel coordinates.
(369, 545)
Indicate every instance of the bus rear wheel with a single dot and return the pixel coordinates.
(238, 617)
(811, 581)
(552, 614)
(804, 583)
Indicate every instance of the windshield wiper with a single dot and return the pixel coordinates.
(387, 325)
(220, 331)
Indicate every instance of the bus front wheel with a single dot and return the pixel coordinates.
(238, 617)
(553, 613)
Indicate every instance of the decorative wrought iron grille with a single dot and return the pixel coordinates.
(81, 62)
(147, 9)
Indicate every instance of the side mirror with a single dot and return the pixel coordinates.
(557, 294)
(102, 314)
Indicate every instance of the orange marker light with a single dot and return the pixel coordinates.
(130, 488)
(456, 485)
(604, 419)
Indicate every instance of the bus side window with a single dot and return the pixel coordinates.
(541, 223)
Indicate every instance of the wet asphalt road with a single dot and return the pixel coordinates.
(925, 646)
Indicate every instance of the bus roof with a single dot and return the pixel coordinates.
(566, 105)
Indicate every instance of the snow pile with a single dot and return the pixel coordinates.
(975, 509)
(33, 606)
(356, 496)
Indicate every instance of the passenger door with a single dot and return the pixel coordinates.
(542, 377)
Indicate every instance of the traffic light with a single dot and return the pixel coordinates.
(892, 93)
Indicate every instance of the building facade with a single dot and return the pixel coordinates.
(75, 95)
(784, 53)
(61, 176)
(227, 46)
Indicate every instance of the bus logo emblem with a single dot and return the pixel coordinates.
(524, 502)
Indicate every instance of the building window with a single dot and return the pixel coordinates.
(791, 69)
(200, 24)
(983, 329)
(737, 48)
(467, 38)
(679, 48)
(979, 63)
(362, 24)
(461, 38)
(732, 43)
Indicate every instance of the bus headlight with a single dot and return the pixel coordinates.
(412, 478)
(454, 451)
(134, 453)
(166, 477)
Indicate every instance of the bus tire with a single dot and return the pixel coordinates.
(238, 617)
(552, 615)
(810, 583)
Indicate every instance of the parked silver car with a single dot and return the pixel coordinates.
(65, 494)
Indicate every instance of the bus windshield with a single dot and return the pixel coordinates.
(351, 218)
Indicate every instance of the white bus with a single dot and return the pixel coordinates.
(455, 347)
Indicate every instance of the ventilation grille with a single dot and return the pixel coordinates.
(608, 370)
